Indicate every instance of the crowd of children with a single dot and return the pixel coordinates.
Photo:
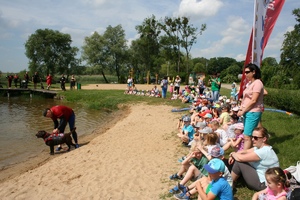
(210, 130)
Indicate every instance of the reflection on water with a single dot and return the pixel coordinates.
(21, 118)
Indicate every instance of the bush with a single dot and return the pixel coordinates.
(284, 99)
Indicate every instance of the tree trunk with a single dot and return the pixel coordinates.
(102, 72)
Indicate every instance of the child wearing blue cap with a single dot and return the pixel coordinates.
(218, 187)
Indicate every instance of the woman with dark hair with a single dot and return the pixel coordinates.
(253, 163)
(252, 102)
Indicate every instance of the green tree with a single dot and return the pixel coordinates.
(269, 68)
(116, 47)
(149, 46)
(290, 51)
(50, 51)
(218, 64)
(96, 54)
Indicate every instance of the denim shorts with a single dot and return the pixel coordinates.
(251, 120)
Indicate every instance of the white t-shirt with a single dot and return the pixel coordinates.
(223, 136)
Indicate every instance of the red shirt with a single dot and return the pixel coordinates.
(61, 111)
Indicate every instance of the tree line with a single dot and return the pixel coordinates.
(163, 48)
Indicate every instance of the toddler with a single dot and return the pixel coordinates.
(276, 185)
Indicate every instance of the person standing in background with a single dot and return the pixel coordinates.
(215, 87)
(63, 82)
(49, 81)
(26, 78)
(177, 84)
(72, 83)
(164, 87)
(200, 85)
(35, 79)
(16, 80)
(9, 79)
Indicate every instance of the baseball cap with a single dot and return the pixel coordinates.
(215, 165)
(208, 115)
(206, 130)
(216, 152)
(200, 125)
(186, 119)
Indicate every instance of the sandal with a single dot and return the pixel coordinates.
(175, 176)
(176, 189)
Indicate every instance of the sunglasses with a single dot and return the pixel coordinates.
(256, 137)
(247, 72)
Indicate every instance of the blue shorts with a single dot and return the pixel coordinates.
(251, 120)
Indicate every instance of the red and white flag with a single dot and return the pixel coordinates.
(266, 13)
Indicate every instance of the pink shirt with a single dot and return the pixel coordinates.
(270, 195)
(254, 87)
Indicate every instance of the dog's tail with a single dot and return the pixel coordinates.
(67, 134)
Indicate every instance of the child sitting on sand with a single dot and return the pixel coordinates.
(188, 191)
(193, 166)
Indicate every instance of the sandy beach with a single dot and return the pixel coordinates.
(130, 157)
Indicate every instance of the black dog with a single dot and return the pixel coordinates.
(55, 139)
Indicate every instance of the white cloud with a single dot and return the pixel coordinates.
(204, 8)
(228, 23)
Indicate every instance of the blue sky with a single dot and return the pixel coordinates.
(228, 23)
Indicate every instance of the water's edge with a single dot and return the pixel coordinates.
(16, 169)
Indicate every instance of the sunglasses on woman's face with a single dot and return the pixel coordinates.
(247, 72)
(256, 137)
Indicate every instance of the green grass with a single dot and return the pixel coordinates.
(284, 129)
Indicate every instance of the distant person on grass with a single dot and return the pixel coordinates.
(49, 81)
(63, 82)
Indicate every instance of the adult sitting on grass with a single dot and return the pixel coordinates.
(253, 163)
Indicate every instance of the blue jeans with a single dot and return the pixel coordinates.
(164, 92)
(215, 95)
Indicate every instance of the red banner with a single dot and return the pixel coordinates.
(265, 16)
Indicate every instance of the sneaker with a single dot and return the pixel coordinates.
(181, 196)
(58, 148)
(76, 146)
(176, 189)
(175, 176)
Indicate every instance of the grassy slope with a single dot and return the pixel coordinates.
(284, 130)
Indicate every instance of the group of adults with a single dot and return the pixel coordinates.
(37, 79)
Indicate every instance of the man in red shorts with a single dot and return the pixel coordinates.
(66, 115)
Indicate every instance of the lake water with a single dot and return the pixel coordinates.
(21, 118)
